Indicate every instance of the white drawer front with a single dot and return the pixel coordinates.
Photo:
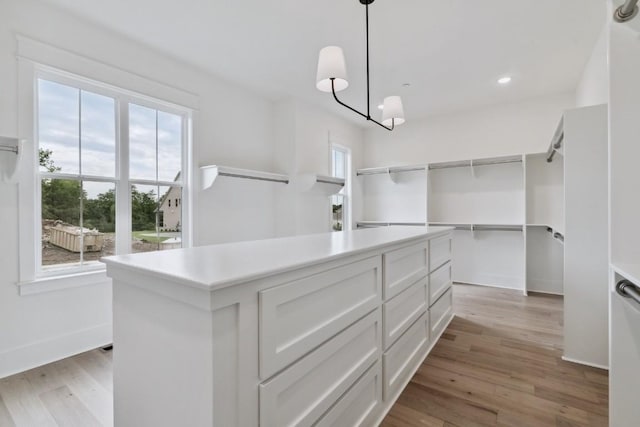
(401, 311)
(302, 393)
(439, 251)
(440, 312)
(399, 362)
(298, 316)
(403, 267)
(439, 282)
(360, 405)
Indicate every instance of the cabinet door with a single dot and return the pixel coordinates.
(298, 316)
(440, 312)
(302, 393)
(439, 282)
(400, 312)
(439, 251)
(360, 406)
(403, 267)
(401, 360)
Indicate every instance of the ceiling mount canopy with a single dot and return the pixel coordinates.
(332, 77)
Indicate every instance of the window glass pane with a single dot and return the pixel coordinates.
(337, 211)
(339, 164)
(142, 142)
(156, 226)
(169, 146)
(99, 219)
(61, 221)
(58, 127)
(98, 135)
(144, 227)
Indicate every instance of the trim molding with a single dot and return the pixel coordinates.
(582, 362)
(46, 351)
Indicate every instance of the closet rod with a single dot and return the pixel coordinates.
(326, 181)
(397, 169)
(257, 178)
(10, 148)
(468, 164)
(556, 143)
(628, 290)
(626, 12)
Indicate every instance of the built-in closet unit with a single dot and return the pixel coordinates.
(624, 289)
(509, 212)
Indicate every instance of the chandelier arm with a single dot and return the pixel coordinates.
(333, 90)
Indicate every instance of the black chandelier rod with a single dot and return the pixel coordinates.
(368, 115)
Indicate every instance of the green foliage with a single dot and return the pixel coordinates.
(143, 208)
(61, 201)
(46, 161)
(100, 213)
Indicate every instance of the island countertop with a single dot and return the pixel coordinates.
(218, 266)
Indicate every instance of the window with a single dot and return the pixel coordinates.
(340, 203)
(109, 161)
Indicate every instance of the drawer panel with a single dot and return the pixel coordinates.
(439, 282)
(440, 312)
(403, 267)
(439, 251)
(399, 362)
(298, 316)
(360, 405)
(400, 312)
(302, 393)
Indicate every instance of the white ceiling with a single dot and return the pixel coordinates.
(451, 51)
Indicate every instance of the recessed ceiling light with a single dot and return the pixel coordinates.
(406, 84)
(380, 106)
(504, 80)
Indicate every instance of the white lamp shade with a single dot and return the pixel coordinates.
(392, 110)
(331, 65)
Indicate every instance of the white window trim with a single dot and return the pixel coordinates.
(347, 191)
(33, 58)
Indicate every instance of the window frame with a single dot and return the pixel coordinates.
(33, 278)
(345, 192)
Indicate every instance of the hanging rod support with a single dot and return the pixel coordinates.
(626, 12)
(12, 149)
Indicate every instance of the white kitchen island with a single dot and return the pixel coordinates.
(322, 329)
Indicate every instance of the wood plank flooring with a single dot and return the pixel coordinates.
(497, 364)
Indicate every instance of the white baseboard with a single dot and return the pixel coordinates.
(489, 286)
(582, 362)
(46, 351)
(560, 294)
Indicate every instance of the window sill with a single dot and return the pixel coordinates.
(63, 281)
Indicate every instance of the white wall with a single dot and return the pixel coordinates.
(303, 137)
(491, 131)
(40, 328)
(593, 88)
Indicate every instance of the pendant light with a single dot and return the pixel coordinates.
(332, 77)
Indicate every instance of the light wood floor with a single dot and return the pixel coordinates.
(498, 364)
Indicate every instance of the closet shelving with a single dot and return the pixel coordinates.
(317, 183)
(209, 174)
(493, 203)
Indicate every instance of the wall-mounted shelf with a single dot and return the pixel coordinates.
(209, 174)
(480, 227)
(11, 145)
(319, 183)
(371, 224)
(476, 162)
(390, 170)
